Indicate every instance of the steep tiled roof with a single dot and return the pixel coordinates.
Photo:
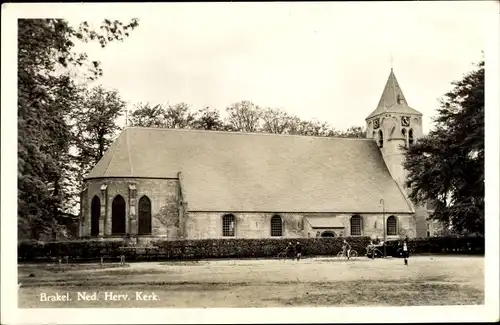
(229, 171)
(393, 100)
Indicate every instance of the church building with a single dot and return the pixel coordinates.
(193, 184)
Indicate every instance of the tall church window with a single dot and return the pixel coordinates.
(380, 139)
(356, 225)
(392, 226)
(118, 216)
(410, 137)
(276, 226)
(228, 225)
(144, 216)
(95, 214)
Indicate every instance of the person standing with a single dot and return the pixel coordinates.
(346, 249)
(289, 251)
(370, 250)
(298, 251)
(405, 252)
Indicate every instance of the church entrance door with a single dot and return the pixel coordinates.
(327, 234)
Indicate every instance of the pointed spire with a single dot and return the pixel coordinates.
(393, 99)
(392, 94)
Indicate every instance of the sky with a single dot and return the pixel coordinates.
(325, 61)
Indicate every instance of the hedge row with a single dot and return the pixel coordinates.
(75, 249)
(227, 248)
(447, 245)
(183, 249)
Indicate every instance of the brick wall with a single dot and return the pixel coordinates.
(258, 225)
(248, 225)
(164, 197)
(84, 224)
(163, 194)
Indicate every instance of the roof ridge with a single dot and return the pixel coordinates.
(129, 155)
(407, 199)
(244, 133)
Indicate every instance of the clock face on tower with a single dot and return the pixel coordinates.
(405, 121)
(375, 124)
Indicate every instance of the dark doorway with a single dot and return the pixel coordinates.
(328, 234)
(118, 216)
(144, 216)
(95, 214)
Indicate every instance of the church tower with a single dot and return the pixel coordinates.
(394, 126)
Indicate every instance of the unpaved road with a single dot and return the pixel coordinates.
(428, 280)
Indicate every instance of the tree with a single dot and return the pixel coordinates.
(244, 116)
(354, 132)
(208, 119)
(311, 128)
(276, 121)
(178, 116)
(147, 115)
(96, 126)
(447, 166)
(46, 97)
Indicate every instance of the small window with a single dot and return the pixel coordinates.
(392, 226)
(380, 139)
(410, 137)
(228, 225)
(276, 226)
(356, 225)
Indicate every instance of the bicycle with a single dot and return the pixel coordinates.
(281, 255)
(352, 255)
(374, 252)
(284, 254)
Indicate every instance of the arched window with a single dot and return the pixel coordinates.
(403, 133)
(380, 139)
(95, 214)
(118, 216)
(144, 216)
(276, 226)
(410, 137)
(356, 225)
(228, 225)
(392, 226)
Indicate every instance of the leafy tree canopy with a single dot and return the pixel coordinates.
(447, 166)
(47, 98)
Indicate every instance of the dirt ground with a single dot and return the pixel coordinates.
(427, 280)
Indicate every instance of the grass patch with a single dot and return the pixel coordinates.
(388, 293)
